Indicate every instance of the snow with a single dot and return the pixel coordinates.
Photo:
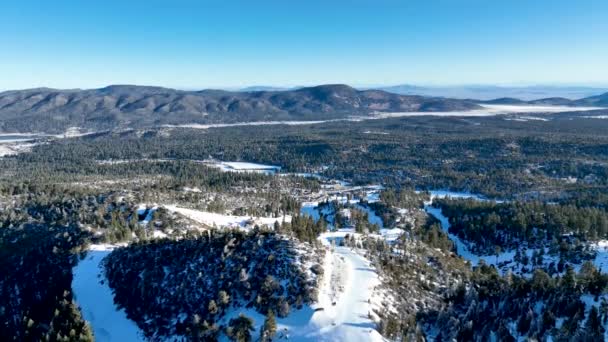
(14, 146)
(526, 118)
(371, 215)
(244, 167)
(250, 166)
(601, 258)
(142, 209)
(349, 281)
(461, 248)
(157, 234)
(595, 117)
(74, 132)
(311, 209)
(96, 301)
(491, 110)
(487, 110)
(252, 123)
(391, 235)
(221, 220)
(303, 174)
(454, 194)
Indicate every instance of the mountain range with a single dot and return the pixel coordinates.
(51, 110)
(128, 106)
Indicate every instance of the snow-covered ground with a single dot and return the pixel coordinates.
(601, 258)
(253, 123)
(221, 220)
(345, 304)
(243, 167)
(462, 248)
(492, 110)
(487, 110)
(504, 258)
(143, 209)
(595, 117)
(350, 282)
(96, 301)
(14, 143)
(12, 148)
(248, 167)
(371, 215)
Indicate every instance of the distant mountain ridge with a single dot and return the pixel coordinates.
(491, 92)
(129, 106)
(592, 101)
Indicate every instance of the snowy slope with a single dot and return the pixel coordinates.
(96, 300)
(349, 319)
(349, 281)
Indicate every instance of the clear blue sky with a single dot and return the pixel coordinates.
(224, 43)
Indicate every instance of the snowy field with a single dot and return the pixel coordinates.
(231, 221)
(244, 167)
(96, 301)
(15, 143)
(492, 110)
(12, 147)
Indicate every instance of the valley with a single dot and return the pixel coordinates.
(333, 230)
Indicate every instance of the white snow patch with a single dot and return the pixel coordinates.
(94, 296)
(221, 220)
(492, 110)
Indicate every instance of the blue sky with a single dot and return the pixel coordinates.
(225, 43)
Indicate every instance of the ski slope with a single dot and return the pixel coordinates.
(348, 281)
(96, 301)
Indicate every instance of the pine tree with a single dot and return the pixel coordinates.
(223, 298)
(593, 326)
(240, 328)
(269, 329)
(212, 307)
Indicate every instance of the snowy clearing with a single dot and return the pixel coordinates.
(12, 148)
(596, 117)
(96, 301)
(220, 220)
